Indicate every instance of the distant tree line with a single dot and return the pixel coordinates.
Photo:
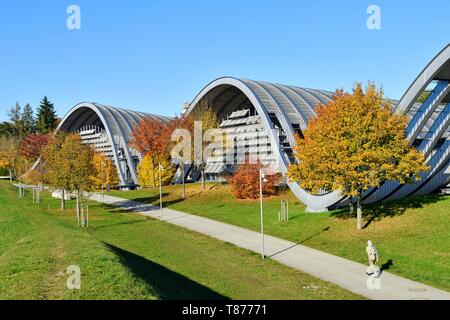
(23, 137)
(23, 122)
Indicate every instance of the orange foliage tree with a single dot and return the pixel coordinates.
(245, 182)
(355, 143)
(150, 138)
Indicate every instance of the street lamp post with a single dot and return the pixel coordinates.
(184, 186)
(261, 181)
(160, 193)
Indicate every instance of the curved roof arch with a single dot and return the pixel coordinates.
(437, 68)
(290, 105)
(118, 124)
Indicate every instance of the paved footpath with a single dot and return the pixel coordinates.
(345, 273)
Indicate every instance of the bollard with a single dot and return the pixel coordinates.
(283, 214)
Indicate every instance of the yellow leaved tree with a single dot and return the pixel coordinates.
(9, 156)
(105, 172)
(145, 170)
(354, 144)
(208, 118)
(4, 164)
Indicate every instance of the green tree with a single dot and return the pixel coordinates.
(46, 117)
(6, 129)
(27, 121)
(355, 143)
(15, 119)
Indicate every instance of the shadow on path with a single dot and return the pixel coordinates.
(387, 265)
(299, 243)
(166, 284)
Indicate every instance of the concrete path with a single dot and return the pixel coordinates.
(345, 273)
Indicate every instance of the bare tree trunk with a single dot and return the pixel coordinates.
(203, 179)
(153, 173)
(78, 211)
(351, 206)
(358, 214)
(63, 204)
(83, 222)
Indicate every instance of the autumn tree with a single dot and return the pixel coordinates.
(3, 168)
(31, 146)
(205, 114)
(79, 167)
(105, 172)
(182, 156)
(149, 137)
(9, 156)
(55, 165)
(245, 182)
(354, 144)
(69, 166)
(147, 175)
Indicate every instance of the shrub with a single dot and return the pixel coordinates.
(245, 182)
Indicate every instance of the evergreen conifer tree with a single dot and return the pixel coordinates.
(46, 116)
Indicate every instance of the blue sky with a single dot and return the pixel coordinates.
(153, 55)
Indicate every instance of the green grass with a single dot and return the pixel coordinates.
(412, 235)
(128, 256)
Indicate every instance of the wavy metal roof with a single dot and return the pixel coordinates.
(118, 124)
(120, 121)
(294, 106)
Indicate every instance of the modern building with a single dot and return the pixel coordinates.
(108, 130)
(266, 117)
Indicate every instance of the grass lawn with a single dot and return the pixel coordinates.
(127, 256)
(412, 235)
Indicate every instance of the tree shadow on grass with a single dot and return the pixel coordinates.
(149, 199)
(167, 284)
(111, 225)
(388, 209)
